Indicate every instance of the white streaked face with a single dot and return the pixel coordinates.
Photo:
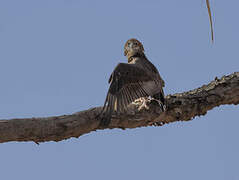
(133, 46)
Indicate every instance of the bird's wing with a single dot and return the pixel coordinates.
(128, 82)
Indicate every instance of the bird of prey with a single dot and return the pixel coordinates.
(130, 81)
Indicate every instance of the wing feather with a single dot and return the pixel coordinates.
(128, 82)
(127, 95)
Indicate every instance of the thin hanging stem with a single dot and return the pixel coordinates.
(210, 18)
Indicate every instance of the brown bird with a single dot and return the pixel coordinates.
(130, 81)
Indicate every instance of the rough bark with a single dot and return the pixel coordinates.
(180, 107)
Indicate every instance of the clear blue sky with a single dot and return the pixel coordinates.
(56, 57)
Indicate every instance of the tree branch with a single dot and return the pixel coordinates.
(180, 107)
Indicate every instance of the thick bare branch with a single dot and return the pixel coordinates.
(181, 107)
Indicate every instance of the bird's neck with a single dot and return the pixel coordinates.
(133, 59)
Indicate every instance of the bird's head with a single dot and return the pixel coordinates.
(132, 48)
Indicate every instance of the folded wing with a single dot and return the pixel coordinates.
(128, 82)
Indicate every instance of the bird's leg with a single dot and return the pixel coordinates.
(159, 102)
(163, 108)
(142, 103)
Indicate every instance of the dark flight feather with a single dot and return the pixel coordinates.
(127, 83)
